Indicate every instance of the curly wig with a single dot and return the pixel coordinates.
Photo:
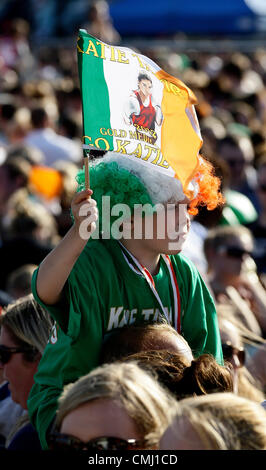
(131, 182)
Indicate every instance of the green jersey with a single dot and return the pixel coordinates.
(102, 293)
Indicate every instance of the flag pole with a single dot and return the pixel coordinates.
(87, 173)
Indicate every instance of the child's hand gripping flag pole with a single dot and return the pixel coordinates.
(131, 106)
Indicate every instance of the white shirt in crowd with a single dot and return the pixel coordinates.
(54, 146)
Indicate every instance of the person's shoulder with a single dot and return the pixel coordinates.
(4, 391)
(183, 263)
(186, 272)
(66, 144)
(33, 135)
(25, 439)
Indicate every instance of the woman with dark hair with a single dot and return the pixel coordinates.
(200, 377)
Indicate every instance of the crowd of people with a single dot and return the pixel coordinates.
(70, 376)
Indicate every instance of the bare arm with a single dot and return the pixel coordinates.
(56, 267)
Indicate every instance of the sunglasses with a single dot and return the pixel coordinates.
(59, 441)
(6, 352)
(234, 251)
(229, 351)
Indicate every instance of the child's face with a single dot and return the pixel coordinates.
(166, 230)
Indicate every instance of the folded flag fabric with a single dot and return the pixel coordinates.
(133, 107)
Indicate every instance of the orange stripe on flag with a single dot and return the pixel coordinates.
(180, 143)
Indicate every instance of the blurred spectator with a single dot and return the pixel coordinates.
(29, 218)
(54, 146)
(31, 154)
(235, 353)
(10, 411)
(14, 45)
(100, 23)
(16, 130)
(232, 274)
(44, 17)
(68, 171)
(7, 112)
(256, 365)
(19, 281)
(238, 152)
(193, 247)
(258, 227)
(14, 174)
(29, 232)
(251, 341)
(237, 209)
(220, 421)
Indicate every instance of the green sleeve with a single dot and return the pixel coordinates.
(64, 312)
(73, 347)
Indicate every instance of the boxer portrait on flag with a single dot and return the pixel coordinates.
(141, 108)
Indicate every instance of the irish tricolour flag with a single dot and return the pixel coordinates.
(131, 106)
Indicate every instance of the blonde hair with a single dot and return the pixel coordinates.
(27, 323)
(145, 401)
(223, 421)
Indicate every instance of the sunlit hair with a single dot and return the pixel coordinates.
(130, 387)
(223, 421)
(27, 323)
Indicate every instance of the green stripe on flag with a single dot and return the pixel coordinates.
(94, 93)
